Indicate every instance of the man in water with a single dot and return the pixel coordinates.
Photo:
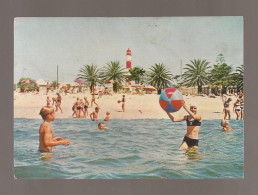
(193, 122)
(101, 126)
(46, 134)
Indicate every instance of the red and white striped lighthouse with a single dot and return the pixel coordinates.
(128, 59)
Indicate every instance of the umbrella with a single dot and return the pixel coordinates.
(149, 88)
(80, 81)
(111, 81)
(27, 81)
(137, 86)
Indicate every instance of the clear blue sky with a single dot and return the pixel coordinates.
(40, 44)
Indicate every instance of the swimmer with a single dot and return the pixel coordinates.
(193, 122)
(101, 126)
(107, 116)
(46, 134)
(94, 115)
(224, 124)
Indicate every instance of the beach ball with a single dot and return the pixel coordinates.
(171, 100)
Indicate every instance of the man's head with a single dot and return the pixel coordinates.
(101, 126)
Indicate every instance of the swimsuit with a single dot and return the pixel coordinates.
(190, 142)
(85, 106)
(226, 108)
(78, 107)
(242, 106)
(237, 107)
(192, 122)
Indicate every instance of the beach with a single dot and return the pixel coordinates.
(28, 105)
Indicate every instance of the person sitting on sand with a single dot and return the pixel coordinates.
(101, 126)
(193, 122)
(46, 134)
(224, 124)
(86, 106)
(48, 101)
(58, 102)
(94, 115)
(237, 108)
(226, 108)
(107, 116)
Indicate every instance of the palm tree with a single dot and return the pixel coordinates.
(90, 73)
(137, 74)
(196, 74)
(240, 71)
(159, 77)
(113, 71)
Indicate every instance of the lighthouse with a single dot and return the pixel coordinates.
(128, 59)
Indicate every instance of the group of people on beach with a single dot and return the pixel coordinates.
(193, 120)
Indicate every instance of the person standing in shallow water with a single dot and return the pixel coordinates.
(193, 121)
(46, 134)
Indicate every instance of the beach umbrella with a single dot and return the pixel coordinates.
(137, 86)
(149, 88)
(27, 81)
(80, 81)
(111, 81)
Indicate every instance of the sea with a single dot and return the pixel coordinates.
(128, 149)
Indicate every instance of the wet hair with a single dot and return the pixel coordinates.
(45, 111)
(100, 124)
(224, 123)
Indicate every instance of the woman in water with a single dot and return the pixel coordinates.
(193, 121)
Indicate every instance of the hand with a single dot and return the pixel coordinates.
(58, 139)
(183, 104)
(66, 142)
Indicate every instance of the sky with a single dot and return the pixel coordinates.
(43, 43)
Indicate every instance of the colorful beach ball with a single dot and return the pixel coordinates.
(171, 100)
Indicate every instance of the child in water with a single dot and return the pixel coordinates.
(107, 116)
(224, 124)
(193, 121)
(94, 115)
(46, 134)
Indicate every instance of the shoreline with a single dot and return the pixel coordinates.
(136, 107)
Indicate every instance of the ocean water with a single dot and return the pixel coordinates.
(128, 149)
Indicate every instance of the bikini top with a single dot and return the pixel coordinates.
(192, 122)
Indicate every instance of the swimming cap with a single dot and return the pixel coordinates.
(193, 104)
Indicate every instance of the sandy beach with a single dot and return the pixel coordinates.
(27, 105)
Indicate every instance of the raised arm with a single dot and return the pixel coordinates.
(175, 119)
